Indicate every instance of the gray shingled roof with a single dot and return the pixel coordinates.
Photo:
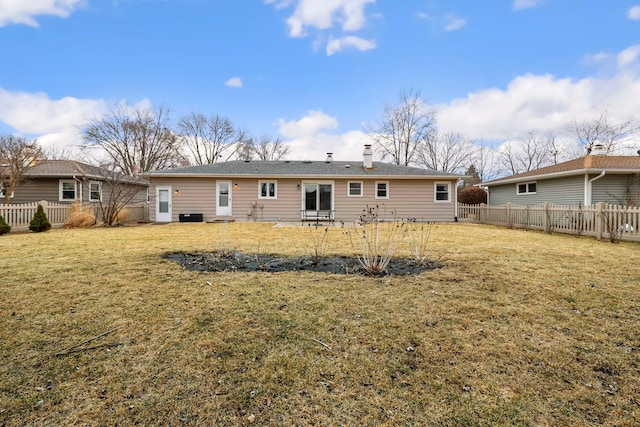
(296, 168)
(72, 168)
(65, 168)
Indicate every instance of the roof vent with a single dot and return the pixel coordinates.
(247, 161)
(329, 158)
(306, 162)
(287, 161)
(347, 166)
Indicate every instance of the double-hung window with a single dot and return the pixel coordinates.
(354, 189)
(268, 190)
(442, 192)
(4, 186)
(382, 190)
(527, 188)
(68, 190)
(95, 191)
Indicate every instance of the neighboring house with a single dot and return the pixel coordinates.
(301, 190)
(68, 181)
(583, 181)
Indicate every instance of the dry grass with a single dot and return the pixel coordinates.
(80, 216)
(519, 328)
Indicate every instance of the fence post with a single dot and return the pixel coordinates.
(482, 213)
(545, 217)
(600, 206)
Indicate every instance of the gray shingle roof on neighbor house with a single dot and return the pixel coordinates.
(291, 168)
(65, 168)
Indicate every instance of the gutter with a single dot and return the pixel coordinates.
(588, 187)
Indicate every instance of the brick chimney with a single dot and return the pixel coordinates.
(367, 157)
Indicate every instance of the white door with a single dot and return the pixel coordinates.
(163, 204)
(223, 196)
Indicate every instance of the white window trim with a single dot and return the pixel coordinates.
(99, 191)
(275, 189)
(75, 187)
(435, 191)
(526, 193)
(349, 189)
(386, 183)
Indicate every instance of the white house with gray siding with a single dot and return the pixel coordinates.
(300, 190)
(583, 181)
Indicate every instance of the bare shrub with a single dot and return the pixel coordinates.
(419, 240)
(319, 242)
(80, 216)
(376, 241)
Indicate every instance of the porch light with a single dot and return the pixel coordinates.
(298, 186)
(176, 192)
(236, 186)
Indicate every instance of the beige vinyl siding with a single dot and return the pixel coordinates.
(407, 199)
(195, 195)
(560, 191)
(616, 189)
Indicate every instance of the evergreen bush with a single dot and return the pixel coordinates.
(39, 222)
(4, 227)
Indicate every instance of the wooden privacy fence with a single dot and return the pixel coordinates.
(599, 220)
(19, 216)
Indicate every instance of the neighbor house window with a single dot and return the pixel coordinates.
(443, 191)
(67, 189)
(3, 187)
(268, 189)
(355, 189)
(527, 188)
(382, 190)
(95, 192)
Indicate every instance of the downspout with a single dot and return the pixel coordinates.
(455, 198)
(79, 188)
(588, 187)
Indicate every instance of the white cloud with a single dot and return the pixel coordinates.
(25, 11)
(336, 45)
(525, 4)
(629, 56)
(634, 13)
(321, 15)
(543, 103)
(234, 82)
(308, 125)
(454, 23)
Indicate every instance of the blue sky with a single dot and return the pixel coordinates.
(313, 71)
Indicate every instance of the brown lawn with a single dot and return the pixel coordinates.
(517, 328)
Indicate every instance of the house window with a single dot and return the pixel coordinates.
(95, 192)
(268, 190)
(67, 190)
(527, 188)
(3, 186)
(354, 189)
(382, 190)
(442, 192)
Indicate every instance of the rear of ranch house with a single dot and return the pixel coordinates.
(291, 191)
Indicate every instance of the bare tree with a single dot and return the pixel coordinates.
(447, 152)
(135, 140)
(17, 155)
(244, 145)
(403, 128)
(532, 151)
(601, 130)
(207, 138)
(119, 190)
(268, 148)
(486, 162)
